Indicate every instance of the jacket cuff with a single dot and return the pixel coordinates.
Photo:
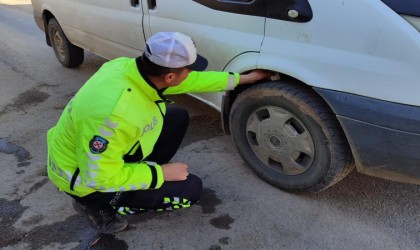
(160, 178)
(233, 80)
(237, 78)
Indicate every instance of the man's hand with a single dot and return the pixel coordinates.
(255, 75)
(175, 171)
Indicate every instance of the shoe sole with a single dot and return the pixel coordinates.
(122, 228)
(95, 241)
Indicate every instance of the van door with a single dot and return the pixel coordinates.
(222, 30)
(107, 27)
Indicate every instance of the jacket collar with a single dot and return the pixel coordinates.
(141, 81)
(149, 87)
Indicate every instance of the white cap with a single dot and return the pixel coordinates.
(174, 50)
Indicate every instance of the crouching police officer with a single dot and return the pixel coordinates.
(111, 147)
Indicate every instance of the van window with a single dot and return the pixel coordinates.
(246, 7)
(404, 7)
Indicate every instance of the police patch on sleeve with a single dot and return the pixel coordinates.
(98, 144)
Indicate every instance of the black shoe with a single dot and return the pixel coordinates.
(107, 222)
(79, 208)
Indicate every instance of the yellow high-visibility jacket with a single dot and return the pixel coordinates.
(115, 113)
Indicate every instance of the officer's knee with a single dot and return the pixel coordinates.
(183, 116)
(195, 187)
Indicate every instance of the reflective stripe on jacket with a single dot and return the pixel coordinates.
(116, 113)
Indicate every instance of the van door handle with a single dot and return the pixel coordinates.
(134, 3)
(152, 4)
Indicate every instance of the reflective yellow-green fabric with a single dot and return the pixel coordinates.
(118, 106)
(204, 82)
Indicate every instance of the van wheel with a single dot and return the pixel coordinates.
(69, 55)
(290, 137)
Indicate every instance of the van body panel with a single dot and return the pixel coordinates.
(101, 26)
(38, 20)
(382, 60)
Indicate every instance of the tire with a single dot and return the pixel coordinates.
(290, 137)
(69, 55)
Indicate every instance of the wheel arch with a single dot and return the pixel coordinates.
(46, 16)
(231, 95)
(286, 69)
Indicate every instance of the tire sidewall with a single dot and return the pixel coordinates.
(52, 26)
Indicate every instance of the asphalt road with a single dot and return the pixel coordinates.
(237, 210)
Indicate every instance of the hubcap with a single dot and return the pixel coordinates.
(275, 141)
(280, 140)
(59, 45)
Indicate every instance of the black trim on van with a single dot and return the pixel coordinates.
(404, 7)
(280, 10)
(384, 136)
(373, 111)
(264, 8)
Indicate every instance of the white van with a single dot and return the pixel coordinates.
(349, 75)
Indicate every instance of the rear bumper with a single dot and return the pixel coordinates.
(384, 136)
